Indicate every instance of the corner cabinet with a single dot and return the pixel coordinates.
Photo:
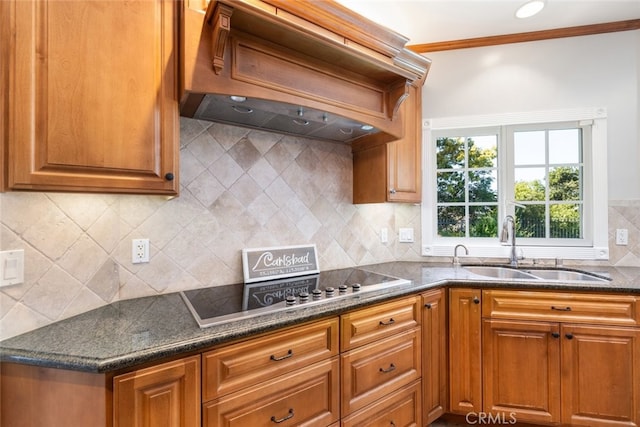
(92, 95)
(392, 171)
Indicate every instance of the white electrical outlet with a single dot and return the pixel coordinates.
(622, 236)
(139, 251)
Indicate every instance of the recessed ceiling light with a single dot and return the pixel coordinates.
(530, 8)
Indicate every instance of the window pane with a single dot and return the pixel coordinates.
(483, 186)
(564, 146)
(530, 221)
(483, 151)
(451, 221)
(564, 183)
(450, 153)
(530, 184)
(529, 148)
(565, 221)
(483, 221)
(450, 187)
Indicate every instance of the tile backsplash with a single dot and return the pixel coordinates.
(239, 189)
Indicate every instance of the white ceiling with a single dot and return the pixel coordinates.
(429, 21)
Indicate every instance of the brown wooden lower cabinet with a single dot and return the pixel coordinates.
(435, 377)
(465, 351)
(583, 372)
(167, 395)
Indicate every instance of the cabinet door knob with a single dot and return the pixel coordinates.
(169, 176)
(476, 300)
(569, 336)
(555, 334)
(428, 306)
(392, 191)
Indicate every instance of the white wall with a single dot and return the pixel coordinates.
(589, 71)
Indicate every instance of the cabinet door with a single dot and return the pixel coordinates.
(166, 395)
(600, 375)
(404, 155)
(522, 370)
(465, 357)
(93, 96)
(434, 354)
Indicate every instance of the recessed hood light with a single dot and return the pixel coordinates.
(238, 98)
(530, 8)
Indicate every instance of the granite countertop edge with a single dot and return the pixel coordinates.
(46, 346)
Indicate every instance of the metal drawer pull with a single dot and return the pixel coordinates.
(390, 322)
(286, 356)
(553, 307)
(281, 420)
(391, 368)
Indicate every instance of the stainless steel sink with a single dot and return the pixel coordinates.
(551, 274)
(565, 275)
(499, 272)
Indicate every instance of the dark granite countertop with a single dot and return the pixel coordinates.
(132, 332)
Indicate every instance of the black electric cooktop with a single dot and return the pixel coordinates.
(217, 304)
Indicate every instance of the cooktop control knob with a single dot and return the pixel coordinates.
(343, 288)
(316, 294)
(329, 291)
(303, 296)
(290, 300)
(355, 287)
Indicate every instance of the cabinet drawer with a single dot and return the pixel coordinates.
(371, 372)
(400, 408)
(304, 397)
(231, 368)
(561, 307)
(374, 323)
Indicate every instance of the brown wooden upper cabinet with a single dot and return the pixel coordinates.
(391, 171)
(91, 95)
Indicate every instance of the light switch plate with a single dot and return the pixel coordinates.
(405, 235)
(11, 267)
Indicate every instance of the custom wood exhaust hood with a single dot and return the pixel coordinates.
(311, 68)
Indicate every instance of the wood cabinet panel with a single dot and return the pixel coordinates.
(465, 351)
(34, 396)
(601, 380)
(561, 307)
(400, 408)
(167, 395)
(304, 397)
(392, 171)
(374, 323)
(371, 372)
(434, 355)
(522, 370)
(93, 96)
(251, 362)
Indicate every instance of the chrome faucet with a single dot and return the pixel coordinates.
(509, 230)
(456, 261)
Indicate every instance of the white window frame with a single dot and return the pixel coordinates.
(596, 219)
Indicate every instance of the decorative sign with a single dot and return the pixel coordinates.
(271, 263)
